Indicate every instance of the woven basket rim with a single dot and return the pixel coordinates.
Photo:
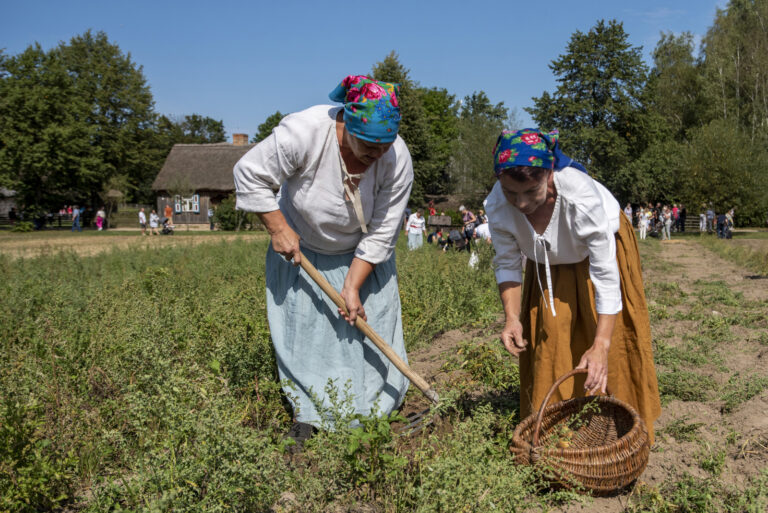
(638, 428)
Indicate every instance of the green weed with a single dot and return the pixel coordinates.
(717, 293)
(681, 431)
(694, 495)
(741, 389)
(711, 460)
(671, 356)
(488, 363)
(665, 293)
(685, 386)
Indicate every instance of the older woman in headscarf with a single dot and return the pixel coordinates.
(582, 302)
(344, 177)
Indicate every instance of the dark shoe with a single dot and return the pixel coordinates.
(300, 432)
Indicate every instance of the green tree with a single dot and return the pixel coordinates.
(721, 173)
(598, 104)
(441, 112)
(736, 65)
(675, 84)
(121, 111)
(479, 125)
(191, 129)
(414, 128)
(47, 151)
(657, 175)
(265, 129)
(197, 129)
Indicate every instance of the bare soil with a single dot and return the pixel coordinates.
(742, 434)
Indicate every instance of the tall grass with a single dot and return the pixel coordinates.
(754, 260)
(146, 380)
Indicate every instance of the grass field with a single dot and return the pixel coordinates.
(141, 378)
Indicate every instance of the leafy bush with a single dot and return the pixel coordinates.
(489, 363)
(35, 473)
(22, 227)
(228, 218)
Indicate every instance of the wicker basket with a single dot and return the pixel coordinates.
(607, 452)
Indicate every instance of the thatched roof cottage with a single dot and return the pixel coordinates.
(198, 176)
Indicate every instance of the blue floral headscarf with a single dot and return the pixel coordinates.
(530, 147)
(371, 108)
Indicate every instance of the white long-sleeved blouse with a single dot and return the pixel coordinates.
(302, 159)
(584, 221)
(416, 224)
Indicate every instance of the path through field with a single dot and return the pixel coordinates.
(710, 330)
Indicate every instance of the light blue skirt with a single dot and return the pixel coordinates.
(415, 240)
(313, 344)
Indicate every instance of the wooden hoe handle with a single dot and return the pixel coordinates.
(363, 326)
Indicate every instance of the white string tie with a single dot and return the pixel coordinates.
(541, 240)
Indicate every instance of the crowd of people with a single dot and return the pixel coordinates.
(663, 220)
(473, 227)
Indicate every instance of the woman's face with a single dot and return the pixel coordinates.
(364, 151)
(526, 196)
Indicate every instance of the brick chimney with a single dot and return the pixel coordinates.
(239, 139)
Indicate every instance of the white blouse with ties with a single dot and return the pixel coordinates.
(583, 223)
(302, 159)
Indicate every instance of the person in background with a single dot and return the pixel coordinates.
(628, 211)
(76, 213)
(683, 215)
(582, 303)
(143, 221)
(100, 218)
(710, 220)
(729, 224)
(416, 229)
(154, 223)
(432, 210)
(168, 212)
(666, 218)
(406, 215)
(643, 220)
(210, 217)
(470, 221)
(483, 232)
(435, 235)
(344, 177)
(675, 216)
(721, 220)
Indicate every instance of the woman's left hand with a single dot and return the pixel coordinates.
(595, 360)
(355, 308)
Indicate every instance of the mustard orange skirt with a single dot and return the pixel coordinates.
(556, 344)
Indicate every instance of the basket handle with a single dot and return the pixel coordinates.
(545, 402)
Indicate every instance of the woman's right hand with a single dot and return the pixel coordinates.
(285, 241)
(512, 336)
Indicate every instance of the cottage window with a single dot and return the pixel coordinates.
(187, 204)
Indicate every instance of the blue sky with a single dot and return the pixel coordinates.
(241, 61)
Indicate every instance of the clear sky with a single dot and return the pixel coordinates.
(242, 61)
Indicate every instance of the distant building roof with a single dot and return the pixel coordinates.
(7, 193)
(200, 166)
